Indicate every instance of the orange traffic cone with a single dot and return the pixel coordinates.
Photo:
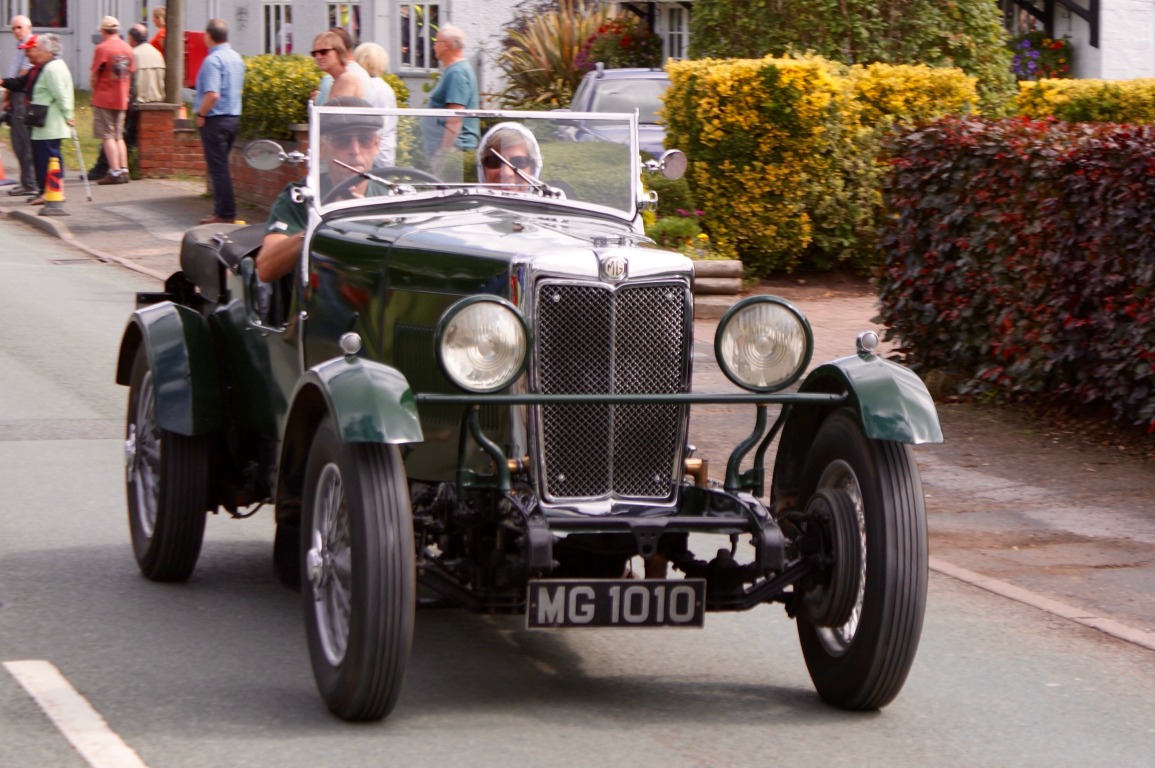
(53, 191)
(4, 180)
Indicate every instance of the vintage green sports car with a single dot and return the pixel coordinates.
(474, 387)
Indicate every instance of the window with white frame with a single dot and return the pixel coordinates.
(277, 28)
(46, 14)
(347, 16)
(674, 28)
(419, 23)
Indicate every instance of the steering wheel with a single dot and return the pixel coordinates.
(399, 173)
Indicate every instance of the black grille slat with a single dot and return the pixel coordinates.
(594, 451)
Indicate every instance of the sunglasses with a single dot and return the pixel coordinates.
(345, 140)
(320, 52)
(520, 162)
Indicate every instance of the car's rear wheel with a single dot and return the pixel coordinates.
(863, 663)
(357, 576)
(167, 479)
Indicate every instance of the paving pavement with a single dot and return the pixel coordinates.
(138, 225)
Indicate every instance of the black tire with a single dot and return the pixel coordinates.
(863, 664)
(167, 479)
(358, 575)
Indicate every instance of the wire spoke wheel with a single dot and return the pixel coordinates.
(358, 574)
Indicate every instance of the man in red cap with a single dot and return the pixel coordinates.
(14, 103)
(111, 77)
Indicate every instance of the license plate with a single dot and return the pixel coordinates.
(556, 603)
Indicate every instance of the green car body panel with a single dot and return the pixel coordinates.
(181, 355)
(369, 402)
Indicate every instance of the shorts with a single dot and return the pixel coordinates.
(107, 123)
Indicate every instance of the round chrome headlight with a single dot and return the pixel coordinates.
(482, 343)
(763, 344)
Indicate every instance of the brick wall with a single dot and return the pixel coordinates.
(169, 146)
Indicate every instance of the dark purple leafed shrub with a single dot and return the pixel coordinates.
(1020, 255)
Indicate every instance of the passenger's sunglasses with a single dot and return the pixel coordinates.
(520, 162)
(345, 140)
(320, 52)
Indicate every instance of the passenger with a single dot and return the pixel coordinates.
(517, 145)
(351, 139)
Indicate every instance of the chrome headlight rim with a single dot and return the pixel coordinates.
(440, 337)
(745, 306)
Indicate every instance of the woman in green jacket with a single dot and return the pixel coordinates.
(51, 87)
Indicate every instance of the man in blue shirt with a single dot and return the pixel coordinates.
(456, 89)
(218, 115)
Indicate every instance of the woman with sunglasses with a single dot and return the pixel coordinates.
(509, 154)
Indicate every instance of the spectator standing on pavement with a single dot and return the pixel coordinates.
(14, 104)
(456, 89)
(50, 85)
(374, 60)
(322, 94)
(147, 88)
(336, 60)
(147, 82)
(159, 20)
(111, 76)
(218, 115)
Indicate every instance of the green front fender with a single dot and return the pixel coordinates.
(370, 402)
(892, 402)
(180, 352)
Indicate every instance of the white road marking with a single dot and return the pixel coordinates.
(73, 715)
(1035, 600)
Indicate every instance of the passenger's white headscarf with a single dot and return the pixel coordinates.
(512, 135)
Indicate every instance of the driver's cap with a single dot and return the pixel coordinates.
(349, 121)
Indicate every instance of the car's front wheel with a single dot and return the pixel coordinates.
(357, 573)
(167, 479)
(863, 662)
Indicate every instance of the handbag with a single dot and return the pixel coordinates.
(35, 115)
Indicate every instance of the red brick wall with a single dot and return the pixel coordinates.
(171, 147)
(168, 146)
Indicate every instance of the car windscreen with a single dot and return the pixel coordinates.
(623, 95)
(359, 153)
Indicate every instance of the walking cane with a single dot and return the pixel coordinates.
(83, 167)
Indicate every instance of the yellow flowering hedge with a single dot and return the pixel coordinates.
(884, 92)
(752, 127)
(783, 151)
(1078, 101)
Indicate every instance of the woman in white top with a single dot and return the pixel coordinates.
(375, 61)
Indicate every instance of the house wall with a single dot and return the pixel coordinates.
(1126, 40)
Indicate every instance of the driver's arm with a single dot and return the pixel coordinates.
(278, 255)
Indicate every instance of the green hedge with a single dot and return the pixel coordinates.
(783, 151)
(1111, 101)
(1018, 257)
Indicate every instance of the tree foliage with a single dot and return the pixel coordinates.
(540, 61)
(967, 34)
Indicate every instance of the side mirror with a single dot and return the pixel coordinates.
(268, 155)
(672, 164)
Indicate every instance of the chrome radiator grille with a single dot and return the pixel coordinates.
(592, 340)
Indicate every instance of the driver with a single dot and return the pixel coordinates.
(516, 144)
(350, 139)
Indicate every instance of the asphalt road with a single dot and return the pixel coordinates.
(215, 672)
